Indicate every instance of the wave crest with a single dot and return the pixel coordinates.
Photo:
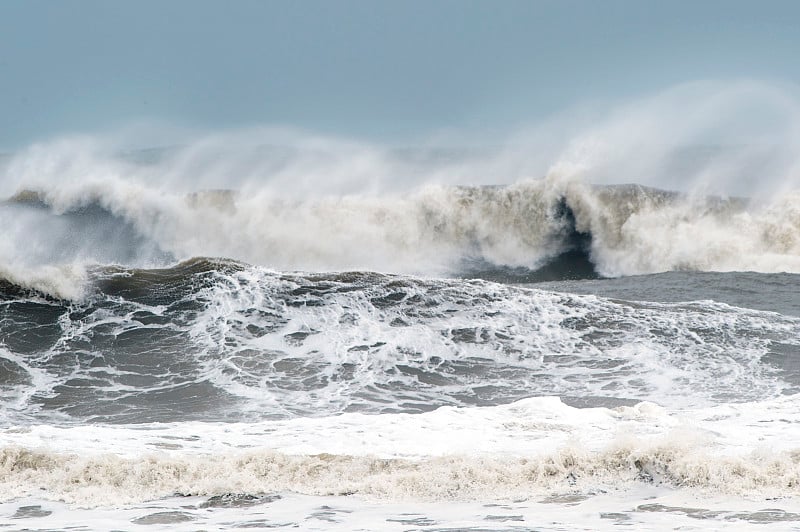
(609, 230)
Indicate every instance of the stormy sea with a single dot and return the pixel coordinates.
(543, 353)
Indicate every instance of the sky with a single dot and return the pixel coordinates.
(383, 70)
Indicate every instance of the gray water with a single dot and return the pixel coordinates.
(777, 292)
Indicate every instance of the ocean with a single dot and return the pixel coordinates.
(548, 354)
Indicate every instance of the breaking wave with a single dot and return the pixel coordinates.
(530, 231)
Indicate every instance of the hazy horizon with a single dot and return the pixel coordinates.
(396, 73)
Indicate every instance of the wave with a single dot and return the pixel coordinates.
(530, 231)
(526, 450)
(296, 201)
(216, 339)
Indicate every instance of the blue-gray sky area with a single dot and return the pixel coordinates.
(385, 70)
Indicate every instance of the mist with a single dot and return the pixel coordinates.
(726, 138)
(724, 153)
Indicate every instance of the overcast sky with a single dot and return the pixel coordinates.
(381, 70)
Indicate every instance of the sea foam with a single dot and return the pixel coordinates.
(526, 449)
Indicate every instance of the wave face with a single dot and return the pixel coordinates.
(220, 340)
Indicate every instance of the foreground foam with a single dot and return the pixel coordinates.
(527, 449)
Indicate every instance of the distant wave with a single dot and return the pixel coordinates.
(533, 230)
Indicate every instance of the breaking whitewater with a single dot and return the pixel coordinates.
(547, 354)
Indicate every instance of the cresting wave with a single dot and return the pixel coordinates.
(529, 231)
(292, 200)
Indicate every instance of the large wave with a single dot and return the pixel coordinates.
(560, 230)
(530, 206)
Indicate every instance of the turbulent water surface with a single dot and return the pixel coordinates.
(547, 355)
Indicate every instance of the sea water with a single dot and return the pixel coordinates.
(548, 355)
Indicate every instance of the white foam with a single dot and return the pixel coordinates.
(673, 354)
(30, 380)
(526, 449)
(279, 344)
